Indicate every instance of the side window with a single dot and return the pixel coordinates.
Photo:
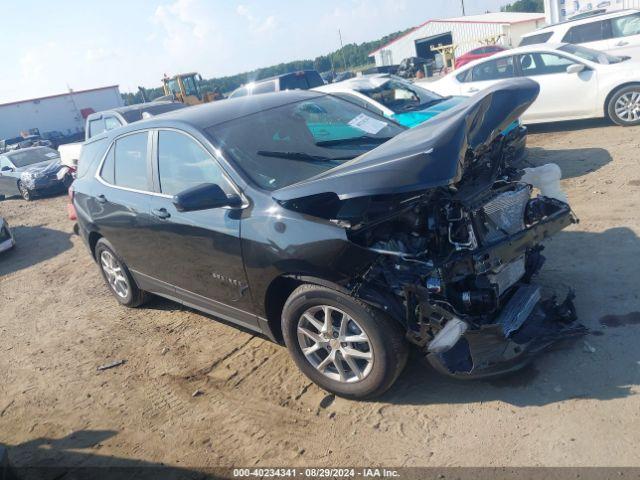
(96, 127)
(464, 76)
(131, 162)
(266, 87)
(111, 122)
(533, 39)
(4, 162)
(108, 171)
(625, 26)
(241, 92)
(91, 151)
(497, 69)
(543, 64)
(588, 32)
(358, 101)
(183, 163)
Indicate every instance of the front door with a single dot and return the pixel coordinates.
(562, 95)
(199, 252)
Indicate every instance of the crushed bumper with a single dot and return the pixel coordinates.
(520, 333)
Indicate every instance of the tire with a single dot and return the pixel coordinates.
(358, 369)
(25, 192)
(623, 107)
(117, 276)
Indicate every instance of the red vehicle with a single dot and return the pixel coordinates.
(476, 53)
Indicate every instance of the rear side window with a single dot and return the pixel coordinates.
(111, 122)
(108, 168)
(533, 39)
(266, 87)
(96, 127)
(131, 162)
(625, 26)
(183, 163)
(588, 32)
(493, 70)
(90, 153)
(241, 92)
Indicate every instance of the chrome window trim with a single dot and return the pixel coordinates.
(245, 202)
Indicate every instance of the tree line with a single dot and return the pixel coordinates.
(350, 56)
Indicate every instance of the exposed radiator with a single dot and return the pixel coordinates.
(504, 214)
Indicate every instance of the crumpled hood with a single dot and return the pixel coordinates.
(429, 155)
(413, 118)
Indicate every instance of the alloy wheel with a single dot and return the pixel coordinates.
(335, 344)
(115, 276)
(627, 106)
(24, 191)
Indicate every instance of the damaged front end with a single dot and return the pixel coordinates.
(455, 258)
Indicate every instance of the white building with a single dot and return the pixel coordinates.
(64, 112)
(466, 32)
(560, 10)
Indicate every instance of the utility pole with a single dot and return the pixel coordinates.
(462, 2)
(342, 50)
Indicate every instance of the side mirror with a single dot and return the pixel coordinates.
(6, 169)
(575, 68)
(204, 197)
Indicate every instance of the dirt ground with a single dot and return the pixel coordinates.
(577, 405)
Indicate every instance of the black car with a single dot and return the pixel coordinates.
(31, 171)
(320, 224)
(301, 80)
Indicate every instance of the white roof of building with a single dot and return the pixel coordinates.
(496, 17)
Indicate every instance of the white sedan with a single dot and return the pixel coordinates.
(575, 82)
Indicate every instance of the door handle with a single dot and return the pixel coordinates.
(160, 213)
(473, 90)
(621, 43)
(101, 199)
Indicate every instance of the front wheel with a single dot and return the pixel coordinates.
(25, 192)
(624, 106)
(343, 345)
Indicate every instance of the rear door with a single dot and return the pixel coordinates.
(198, 252)
(122, 198)
(594, 34)
(625, 35)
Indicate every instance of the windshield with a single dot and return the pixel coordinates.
(294, 142)
(23, 158)
(400, 96)
(591, 55)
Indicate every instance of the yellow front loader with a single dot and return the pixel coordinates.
(185, 88)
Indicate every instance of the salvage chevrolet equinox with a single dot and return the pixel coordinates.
(344, 235)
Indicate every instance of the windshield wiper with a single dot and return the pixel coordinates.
(353, 140)
(305, 157)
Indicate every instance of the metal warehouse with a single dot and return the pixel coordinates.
(465, 32)
(64, 112)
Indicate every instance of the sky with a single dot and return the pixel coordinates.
(48, 47)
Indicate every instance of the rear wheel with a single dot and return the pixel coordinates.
(25, 192)
(343, 345)
(117, 276)
(624, 106)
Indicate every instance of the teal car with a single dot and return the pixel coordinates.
(409, 104)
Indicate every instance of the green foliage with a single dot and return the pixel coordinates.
(534, 6)
(350, 56)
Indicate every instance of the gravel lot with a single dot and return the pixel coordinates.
(577, 405)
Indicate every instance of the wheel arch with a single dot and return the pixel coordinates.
(93, 241)
(282, 286)
(613, 92)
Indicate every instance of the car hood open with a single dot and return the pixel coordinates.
(427, 156)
